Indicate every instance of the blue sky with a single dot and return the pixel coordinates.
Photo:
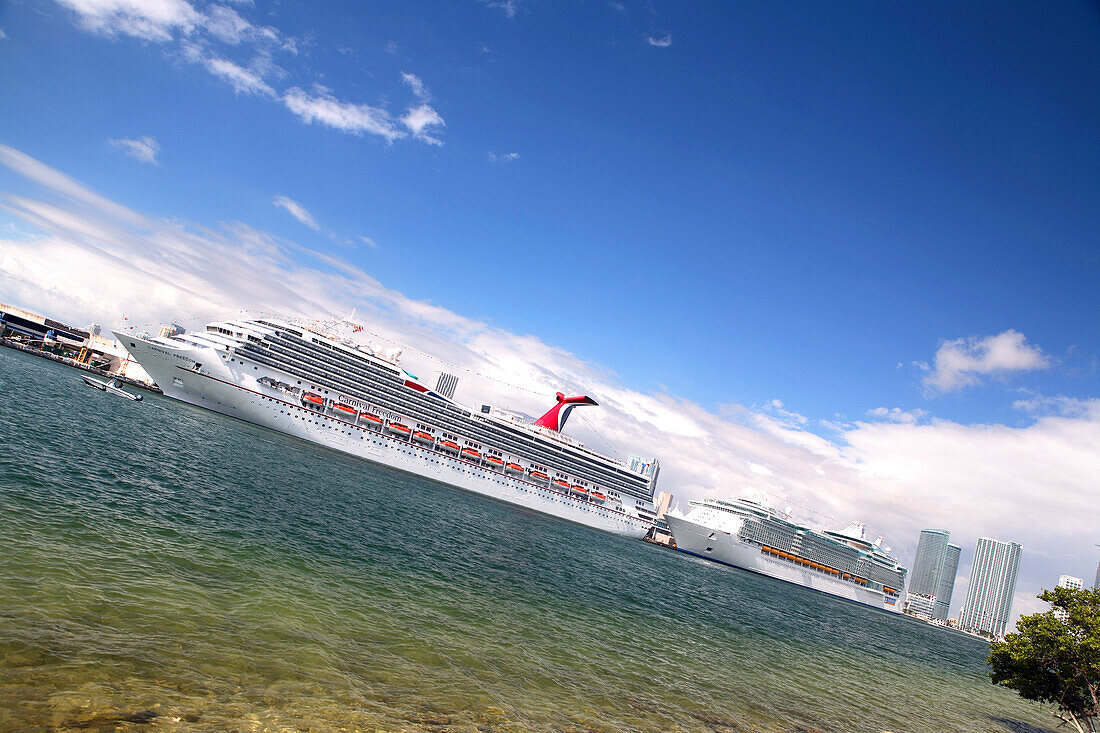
(725, 204)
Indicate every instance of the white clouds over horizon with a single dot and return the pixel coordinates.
(143, 149)
(90, 258)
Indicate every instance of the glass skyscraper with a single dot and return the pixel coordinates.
(988, 604)
(933, 575)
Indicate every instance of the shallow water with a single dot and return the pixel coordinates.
(163, 567)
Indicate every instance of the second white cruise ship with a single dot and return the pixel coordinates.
(751, 535)
(350, 398)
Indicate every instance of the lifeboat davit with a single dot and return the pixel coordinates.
(346, 409)
(313, 399)
(421, 437)
(597, 497)
(470, 453)
(495, 462)
(539, 475)
(514, 468)
(448, 445)
(398, 429)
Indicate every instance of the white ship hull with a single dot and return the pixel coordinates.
(232, 389)
(726, 547)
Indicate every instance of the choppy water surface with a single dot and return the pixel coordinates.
(162, 567)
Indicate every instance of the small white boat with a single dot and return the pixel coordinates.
(111, 386)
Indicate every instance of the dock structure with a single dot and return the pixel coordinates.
(45, 337)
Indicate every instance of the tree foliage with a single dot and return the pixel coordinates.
(1054, 661)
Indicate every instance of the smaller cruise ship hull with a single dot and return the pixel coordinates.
(728, 549)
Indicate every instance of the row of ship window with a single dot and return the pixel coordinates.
(593, 495)
(293, 369)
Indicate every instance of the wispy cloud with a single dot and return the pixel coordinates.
(1059, 405)
(503, 157)
(150, 21)
(241, 79)
(417, 85)
(660, 41)
(964, 362)
(3, 35)
(324, 109)
(896, 414)
(90, 258)
(144, 148)
(508, 7)
(296, 210)
(217, 36)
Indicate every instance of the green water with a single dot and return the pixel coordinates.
(162, 567)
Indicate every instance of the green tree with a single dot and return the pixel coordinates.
(1054, 661)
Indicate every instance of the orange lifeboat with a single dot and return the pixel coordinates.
(596, 497)
(561, 484)
(421, 437)
(346, 409)
(313, 399)
(448, 445)
(470, 453)
(514, 468)
(494, 462)
(398, 429)
(578, 489)
(539, 475)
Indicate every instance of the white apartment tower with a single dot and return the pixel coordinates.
(1067, 581)
(988, 604)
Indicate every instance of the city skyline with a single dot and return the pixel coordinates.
(827, 268)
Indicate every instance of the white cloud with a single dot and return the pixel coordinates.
(508, 7)
(896, 414)
(150, 20)
(90, 258)
(963, 362)
(143, 148)
(662, 42)
(227, 25)
(503, 157)
(296, 210)
(241, 79)
(323, 108)
(417, 85)
(418, 119)
(3, 35)
(197, 32)
(1060, 405)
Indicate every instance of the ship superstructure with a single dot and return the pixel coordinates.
(348, 397)
(753, 536)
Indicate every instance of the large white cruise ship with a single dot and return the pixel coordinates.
(750, 535)
(347, 397)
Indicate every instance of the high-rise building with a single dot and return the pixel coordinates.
(1067, 581)
(1096, 583)
(946, 585)
(933, 575)
(988, 604)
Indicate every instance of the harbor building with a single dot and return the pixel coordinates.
(1067, 581)
(933, 578)
(988, 604)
